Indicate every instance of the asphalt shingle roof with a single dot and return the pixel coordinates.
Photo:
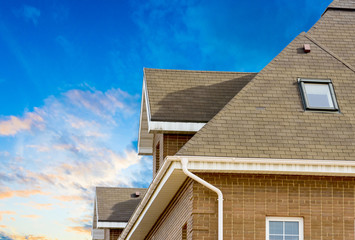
(266, 118)
(191, 96)
(117, 204)
(350, 4)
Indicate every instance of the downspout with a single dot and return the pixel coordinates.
(184, 162)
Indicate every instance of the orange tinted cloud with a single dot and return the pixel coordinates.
(15, 124)
(33, 216)
(30, 237)
(20, 193)
(39, 205)
(6, 212)
(2, 226)
(67, 198)
(79, 229)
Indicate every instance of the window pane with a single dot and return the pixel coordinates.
(318, 95)
(291, 228)
(272, 237)
(276, 227)
(291, 238)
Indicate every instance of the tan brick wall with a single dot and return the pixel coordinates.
(176, 215)
(325, 203)
(115, 233)
(169, 145)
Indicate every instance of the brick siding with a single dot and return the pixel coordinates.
(179, 212)
(325, 203)
(115, 233)
(169, 145)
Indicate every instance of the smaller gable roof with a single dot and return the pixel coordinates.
(191, 96)
(117, 204)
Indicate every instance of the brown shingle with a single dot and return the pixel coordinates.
(117, 204)
(348, 4)
(266, 119)
(191, 96)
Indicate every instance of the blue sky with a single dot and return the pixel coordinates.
(70, 86)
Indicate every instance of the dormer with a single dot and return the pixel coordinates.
(178, 103)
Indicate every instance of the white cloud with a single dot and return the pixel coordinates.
(66, 147)
(14, 124)
(29, 13)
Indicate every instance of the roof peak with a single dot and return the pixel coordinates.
(342, 4)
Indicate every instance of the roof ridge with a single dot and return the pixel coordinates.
(204, 71)
(348, 65)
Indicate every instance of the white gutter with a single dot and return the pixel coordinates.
(235, 165)
(184, 162)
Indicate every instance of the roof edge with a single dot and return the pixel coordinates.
(234, 165)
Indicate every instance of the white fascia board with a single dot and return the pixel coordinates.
(145, 92)
(145, 151)
(141, 118)
(111, 224)
(175, 126)
(271, 166)
(153, 197)
(231, 165)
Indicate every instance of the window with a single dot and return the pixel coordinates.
(284, 228)
(318, 94)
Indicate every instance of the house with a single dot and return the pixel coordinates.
(268, 155)
(112, 209)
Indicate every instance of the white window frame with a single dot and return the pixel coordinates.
(285, 219)
(303, 81)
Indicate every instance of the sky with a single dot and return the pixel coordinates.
(70, 91)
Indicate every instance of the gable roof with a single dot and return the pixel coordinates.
(183, 101)
(266, 118)
(116, 204)
(190, 96)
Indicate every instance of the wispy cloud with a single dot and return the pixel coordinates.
(20, 193)
(79, 229)
(39, 206)
(6, 212)
(67, 45)
(14, 124)
(74, 142)
(32, 216)
(29, 13)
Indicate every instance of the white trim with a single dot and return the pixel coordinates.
(145, 90)
(167, 126)
(172, 164)
(174, 126)
(111, 224)
(286, 219)
(145, 151)
(152, 198)
(140, 120)
(270, 166)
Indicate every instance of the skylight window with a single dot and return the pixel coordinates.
(318, 94)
